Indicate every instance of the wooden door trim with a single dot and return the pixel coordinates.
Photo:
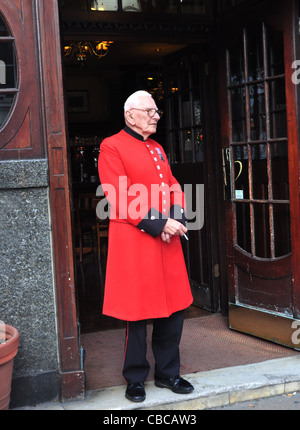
(256, 266)
(72, 380)
(275, 328)
(292, 52)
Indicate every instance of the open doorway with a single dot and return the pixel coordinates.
(96, 90)
(177, 75)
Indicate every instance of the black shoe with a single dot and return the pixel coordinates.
(177, 384)
(135, 392)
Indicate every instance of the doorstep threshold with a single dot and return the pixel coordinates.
(214, 388)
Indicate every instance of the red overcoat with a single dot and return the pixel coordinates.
(145, 277)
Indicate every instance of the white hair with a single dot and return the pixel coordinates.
(134, 99)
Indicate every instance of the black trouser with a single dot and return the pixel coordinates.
(165, 346)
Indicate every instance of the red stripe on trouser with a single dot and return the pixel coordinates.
(125, 349)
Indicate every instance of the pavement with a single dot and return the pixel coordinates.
(284, 402)
(243, 387)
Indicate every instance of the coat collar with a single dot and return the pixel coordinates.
(133, 133)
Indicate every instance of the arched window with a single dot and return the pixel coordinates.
(20, 86)
(8, 72)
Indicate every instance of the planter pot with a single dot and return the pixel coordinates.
(8, 350)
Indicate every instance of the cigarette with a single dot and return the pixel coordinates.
(185, 236)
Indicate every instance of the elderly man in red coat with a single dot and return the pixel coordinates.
(146, 276)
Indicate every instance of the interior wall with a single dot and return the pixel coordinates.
(98, 103)
(106, 93)
(110, 80)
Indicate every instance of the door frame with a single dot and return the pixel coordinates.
(292, 52)
(278, 327)
(86, 25)
(71, 373)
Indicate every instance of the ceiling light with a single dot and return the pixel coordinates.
(82, 49)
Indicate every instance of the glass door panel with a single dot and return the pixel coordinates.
(236, 59)
(261, 227)
(255, 54)
(259, 166)
(280, 173)
(243, 232)
(277, 107)
(238, 113)
(257, 112)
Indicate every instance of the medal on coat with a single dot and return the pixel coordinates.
(160, 154)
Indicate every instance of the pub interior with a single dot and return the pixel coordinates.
(96, 89)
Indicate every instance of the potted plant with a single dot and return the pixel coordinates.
(9, 343)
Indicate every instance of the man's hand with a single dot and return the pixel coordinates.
(165, 237)
(172, 228)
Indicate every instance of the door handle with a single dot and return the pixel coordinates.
(241, 169)
(226, 165)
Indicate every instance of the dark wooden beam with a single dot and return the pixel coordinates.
(132, 26)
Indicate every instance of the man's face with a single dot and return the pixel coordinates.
(144, 123)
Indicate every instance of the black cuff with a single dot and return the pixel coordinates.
(153, 223)
(178, 213)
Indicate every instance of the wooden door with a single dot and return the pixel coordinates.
(189, 146)
(258, 159)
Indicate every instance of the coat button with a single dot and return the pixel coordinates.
(158, 167)
(152, 218)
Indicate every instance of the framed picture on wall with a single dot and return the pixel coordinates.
(77, 101)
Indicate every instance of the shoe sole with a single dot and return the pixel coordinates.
(135, 400)
(161, 385)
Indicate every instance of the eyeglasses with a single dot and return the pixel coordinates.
(151, 112)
